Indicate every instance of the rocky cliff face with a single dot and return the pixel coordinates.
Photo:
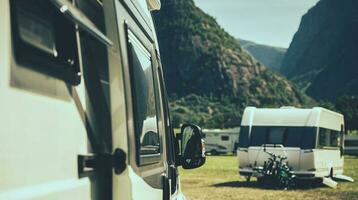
(209, 77)
(323, 56)
(270, 56)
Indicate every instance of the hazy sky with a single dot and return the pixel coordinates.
(272, 22)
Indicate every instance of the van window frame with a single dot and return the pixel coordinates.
(131, 18)
(141, 159)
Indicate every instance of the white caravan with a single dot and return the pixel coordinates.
(83, 107)
(351, 145)
(311, 139)
(221, 141)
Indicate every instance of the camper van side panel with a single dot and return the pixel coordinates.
(40, 135)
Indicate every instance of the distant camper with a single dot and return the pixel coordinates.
(221, 141)
(312, 139)
(351, 145)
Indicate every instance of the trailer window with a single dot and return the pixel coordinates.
(328, 138)
(244, 137)
(302, 137)
(308, 138)
(351, 143)
(335, 139)
(294, 136)
(258, 136)
(225, 138)
(144, 102)
(275, 135)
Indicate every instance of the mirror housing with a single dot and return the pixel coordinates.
(153, 5)
(192, 147)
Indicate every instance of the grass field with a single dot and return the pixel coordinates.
(218, 180)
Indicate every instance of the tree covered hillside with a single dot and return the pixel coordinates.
(210, 78)
(323, 56)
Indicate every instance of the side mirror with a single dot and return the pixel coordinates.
(192, 148)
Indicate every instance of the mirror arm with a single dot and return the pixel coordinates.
(178, 156)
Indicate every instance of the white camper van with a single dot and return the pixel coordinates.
(311, 139)
(83, 107)
(221, 141)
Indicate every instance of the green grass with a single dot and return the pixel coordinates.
(218, 180)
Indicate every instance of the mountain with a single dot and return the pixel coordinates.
(210, 79)
(270, 56)
(323, 56)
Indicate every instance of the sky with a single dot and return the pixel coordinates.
(270, 22)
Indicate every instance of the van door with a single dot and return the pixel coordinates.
(51, 109)
(147, 153)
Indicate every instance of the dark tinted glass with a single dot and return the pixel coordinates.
(294, 136)
(225, 138)
(335, 139)
(323, 137)
(308, 139)
(329, 138)
(303, 137)
(144, 101)
(244, 137)
(351, 143)
(258, 136)
(44, 40)
(275, 135)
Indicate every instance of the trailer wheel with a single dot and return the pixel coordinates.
(214, 152)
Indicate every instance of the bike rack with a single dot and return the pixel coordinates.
(270, 145)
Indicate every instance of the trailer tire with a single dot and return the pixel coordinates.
(214, 152)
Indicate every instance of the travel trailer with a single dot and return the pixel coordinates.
(311, 139)
(84, 112)
(351, 145)
(221, 141)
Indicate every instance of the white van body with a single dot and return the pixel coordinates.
(310, 138)
(68, 107)
(351, 144)
(221, 141)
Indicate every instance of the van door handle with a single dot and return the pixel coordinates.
(78, 17)
(88, 164)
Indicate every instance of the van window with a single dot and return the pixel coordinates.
(144, 102)
(44, 40)
(96, 76)
(225, 138)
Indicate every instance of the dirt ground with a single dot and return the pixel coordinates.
(218, 180)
